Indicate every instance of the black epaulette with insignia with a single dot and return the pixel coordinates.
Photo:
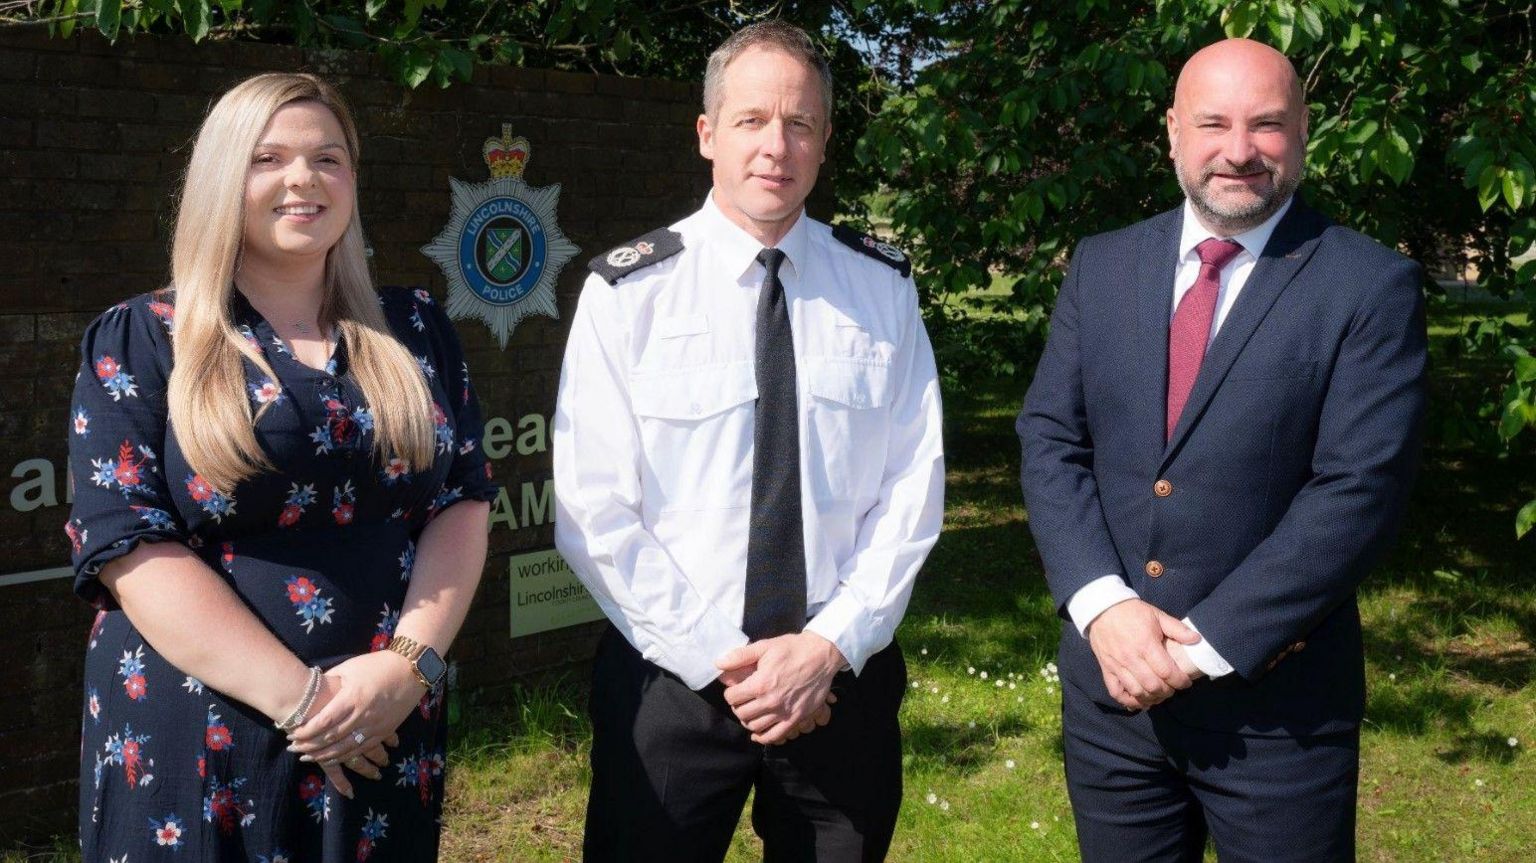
(637, 254)
(881, 251)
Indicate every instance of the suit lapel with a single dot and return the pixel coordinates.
(1156, 261)
(1293, 242)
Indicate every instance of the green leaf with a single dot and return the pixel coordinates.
(1525, 519)
(1514, 190)
(109, 17)
(1240, 18)
(1513, 421)
(1488, 186)
(1353, 39)
(1311, 21)
(1472, 61)
(1362, 131)
(194, 18)
(1283, 25)
(458, 64)
(372, 8)
(1396, 156)
(67, 10)
(1525, 369)
(416, 65)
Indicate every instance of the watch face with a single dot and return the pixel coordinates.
(431, 666)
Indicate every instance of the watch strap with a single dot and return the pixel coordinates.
(412, 650)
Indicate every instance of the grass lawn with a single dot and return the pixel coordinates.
(1450, 627)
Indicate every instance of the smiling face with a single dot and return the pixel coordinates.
(767, 141)
(1237, 134)
(299, 189)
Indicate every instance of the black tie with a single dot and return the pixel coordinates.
(775, 595)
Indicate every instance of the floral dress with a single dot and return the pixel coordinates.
(320, 550)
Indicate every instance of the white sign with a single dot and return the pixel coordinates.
(546, 594)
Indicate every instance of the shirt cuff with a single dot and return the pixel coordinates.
(1095, 597)
(849, 626)
(1204, 656)
(707, 643)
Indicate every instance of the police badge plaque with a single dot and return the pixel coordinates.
(501, 250)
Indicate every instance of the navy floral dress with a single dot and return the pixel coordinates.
(320, 550)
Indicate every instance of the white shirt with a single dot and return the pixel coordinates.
(1093, 598)
(653, 442)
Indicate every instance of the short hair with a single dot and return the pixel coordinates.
(774, 34)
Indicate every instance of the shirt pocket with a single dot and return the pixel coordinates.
(847, 425)
(692, 422)
(677, 342)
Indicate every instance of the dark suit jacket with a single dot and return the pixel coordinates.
(1290, 466)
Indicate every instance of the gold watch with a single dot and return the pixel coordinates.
(429, 667)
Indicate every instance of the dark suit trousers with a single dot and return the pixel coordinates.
(1146, 787)
(671, 768)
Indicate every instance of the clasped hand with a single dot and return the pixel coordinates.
(781, 688)
(1141, 654)
(356, 711)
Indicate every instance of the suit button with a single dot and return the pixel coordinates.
(1154, 568)
(1162, 488)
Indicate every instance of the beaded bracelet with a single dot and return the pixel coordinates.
(300, 713)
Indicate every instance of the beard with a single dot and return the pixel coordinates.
(1234, 217)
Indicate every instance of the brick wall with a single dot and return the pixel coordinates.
(93, 139)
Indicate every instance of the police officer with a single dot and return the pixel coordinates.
(748, 475)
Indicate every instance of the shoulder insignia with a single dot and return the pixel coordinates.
(881, 251)
(637, 254)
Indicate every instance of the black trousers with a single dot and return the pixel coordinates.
(671, 768)
(1146, 788)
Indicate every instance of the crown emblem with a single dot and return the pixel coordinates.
(506, 156)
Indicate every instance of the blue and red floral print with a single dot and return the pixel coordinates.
(319, 549)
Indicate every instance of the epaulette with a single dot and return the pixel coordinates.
(883, 252)
(637, 254)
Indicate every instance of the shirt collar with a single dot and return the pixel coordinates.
(1252, 240)
(738, 249)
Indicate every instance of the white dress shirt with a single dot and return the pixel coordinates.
(653, 442)
(1093, 598)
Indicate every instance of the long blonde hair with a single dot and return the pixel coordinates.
(209, 408)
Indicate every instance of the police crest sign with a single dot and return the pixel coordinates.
(501, 250)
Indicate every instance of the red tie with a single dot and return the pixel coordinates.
(1191, 327)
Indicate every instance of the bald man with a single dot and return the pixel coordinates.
(1217, 446)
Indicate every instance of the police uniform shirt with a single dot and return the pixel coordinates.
(653, 441)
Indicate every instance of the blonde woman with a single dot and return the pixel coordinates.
(280, 512)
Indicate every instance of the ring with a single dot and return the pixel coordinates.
(359, 737)
(352, 762)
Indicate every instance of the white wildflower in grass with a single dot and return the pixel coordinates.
(934, 690)
(1009, 764)
(971, 724)
(1034, 825)
(917, 684)
(971, 669)
(1478, 783)
(944, 805)
(944, 700)
(1513, 742)
(932, 798)
(999, 683)
(1020, 699)
(1013, 686)
(1050, 690)
(983, 675)
(924, 651)
(1391, 676)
